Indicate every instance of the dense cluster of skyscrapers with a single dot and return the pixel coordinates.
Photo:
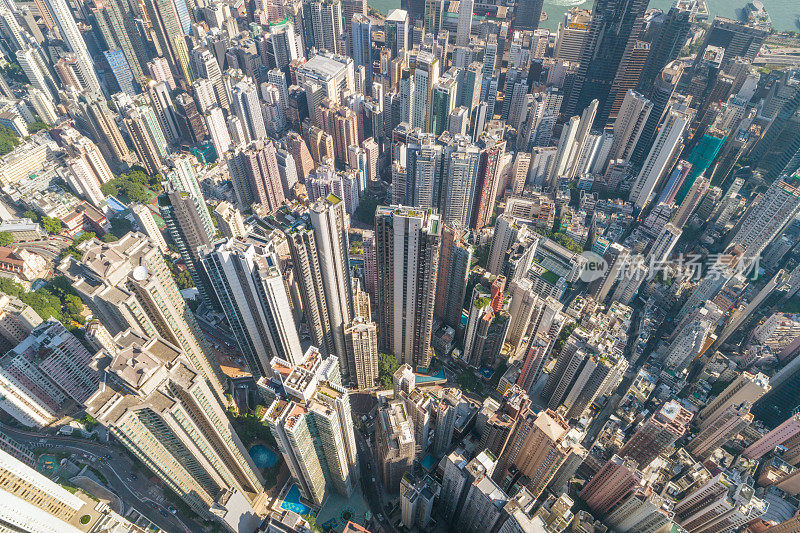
(575, 252)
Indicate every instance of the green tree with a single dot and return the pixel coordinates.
(34, 127)
(73, 308)
(567, 242)
(15, 73)
(184, 280)
(10, 287)
(6, 238)
(52, 225)
(566, 331)
(44, 303)
(135, 192)
(33, 215)
(365, 212)
(109, 237)
(467, 381)
(110, 188)
(73, 248)
(120, 226)
(89, 421)
(312, 522)
(8, 140)
(482, 256)
(387, 366)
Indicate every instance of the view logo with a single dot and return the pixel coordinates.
(594, 268)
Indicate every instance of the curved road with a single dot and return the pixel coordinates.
(116, 470)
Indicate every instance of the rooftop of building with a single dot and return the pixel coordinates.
(324, 66)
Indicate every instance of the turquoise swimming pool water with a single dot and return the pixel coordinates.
(263, 457)
(425, 379)
(292, 502)
(115, 204)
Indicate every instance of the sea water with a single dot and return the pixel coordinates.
(785, 14)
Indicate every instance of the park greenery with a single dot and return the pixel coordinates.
(561, 238)
(566, 331)
(37, 126)
(250, 428)
(387, 366)
(13, 71)
(181, 277)
(56, 299)
(134, 186)
(6, 238)
(468, 382)
(51, 225)
(89, 421)
(8, 140)
(365, 212)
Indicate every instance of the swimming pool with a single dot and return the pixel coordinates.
(292, 502)
(115, 204)
(263, 457)
(418, 378)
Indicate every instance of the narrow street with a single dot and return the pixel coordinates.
(373, 490)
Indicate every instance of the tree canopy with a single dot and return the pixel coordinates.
(387, 366)
(57, 299)
(51, 225)
(8, 140)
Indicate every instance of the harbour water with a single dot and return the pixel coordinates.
(784, 13)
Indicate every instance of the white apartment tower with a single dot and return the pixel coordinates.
(329, 223)
(252, 293)
(147, 225)
(68, 28)
(667, 146)
(464, 26)
(629, 124)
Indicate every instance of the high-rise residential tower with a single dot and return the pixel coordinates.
(161, 409)
(407, 250)
(127, 284)
(252, 294)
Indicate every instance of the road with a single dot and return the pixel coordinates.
(116, 470)
(373, 491)
(593, 431)
(49, 248)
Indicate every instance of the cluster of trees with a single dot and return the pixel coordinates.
(468, 381)
(250, 428)
(37, 126)
(387, 366)
(181, 277)
(12, 71)
(51, 225)
(132, 187)
(6, 238)
(8, 140)
(566, 331)
(365, 212)
(56, 299)
(561, 238)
